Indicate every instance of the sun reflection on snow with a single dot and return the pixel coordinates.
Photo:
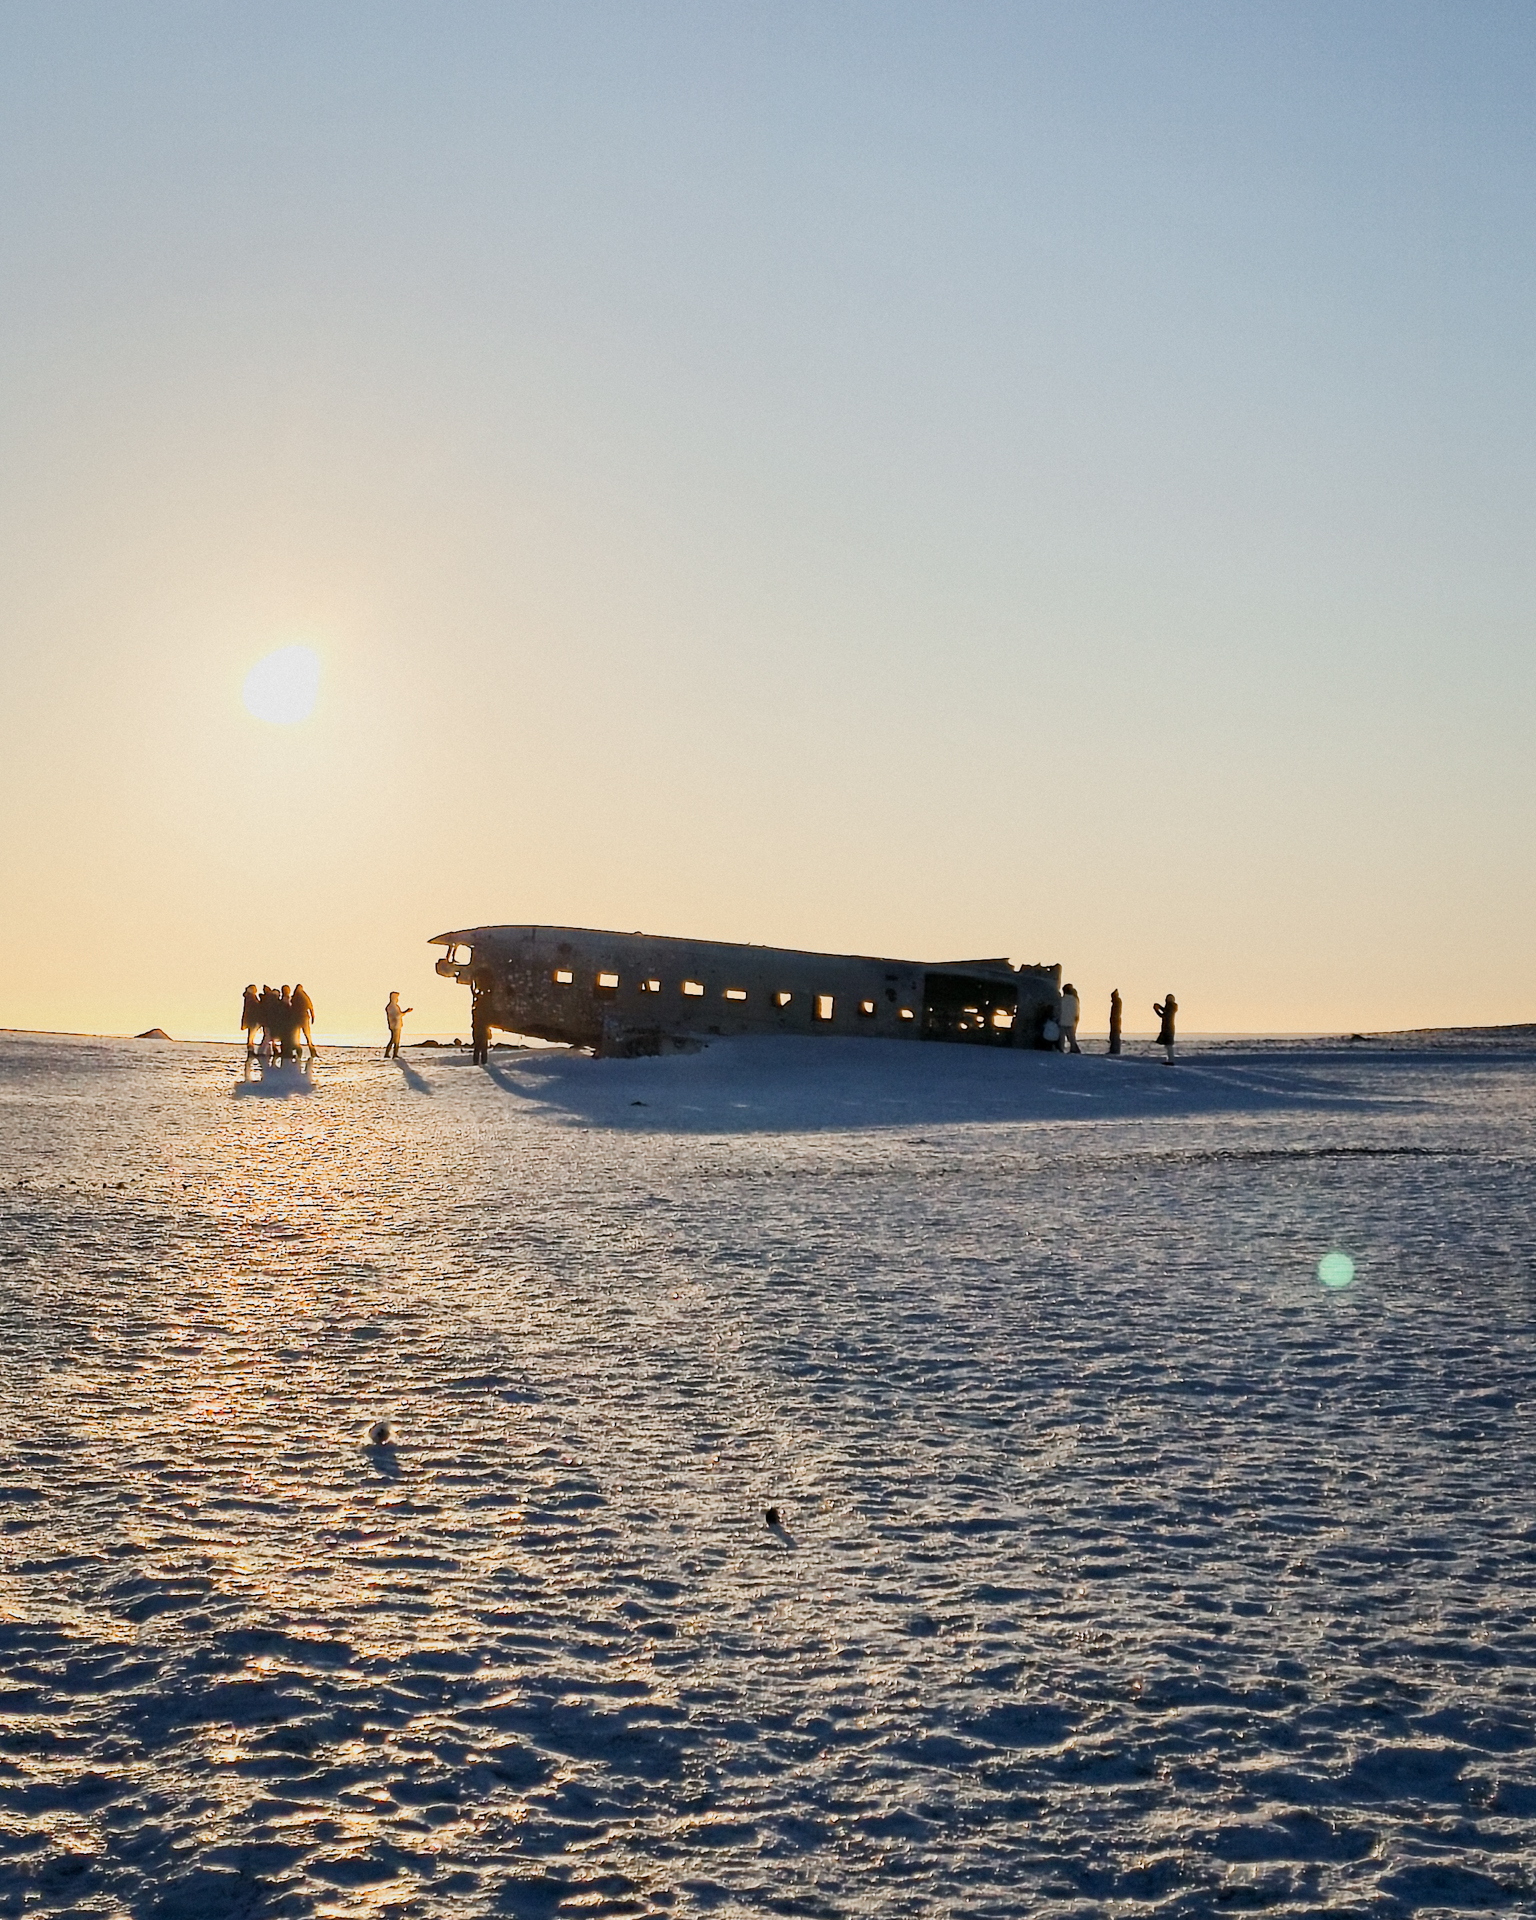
(563, 1595)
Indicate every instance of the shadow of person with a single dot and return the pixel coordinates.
(381, 1456)
(276, 1082)
(411, 1077)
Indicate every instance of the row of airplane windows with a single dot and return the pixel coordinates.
(823, 1005)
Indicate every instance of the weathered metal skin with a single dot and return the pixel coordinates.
(638, 993)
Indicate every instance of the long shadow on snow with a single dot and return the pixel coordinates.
(794, 1085)
(412, 1078)
(274, 1082)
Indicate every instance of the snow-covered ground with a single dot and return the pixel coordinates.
(1124, 1568)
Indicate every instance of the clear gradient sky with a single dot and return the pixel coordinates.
(932, 480)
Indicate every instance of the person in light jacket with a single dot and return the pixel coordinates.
(1165, 1009)
(1066, 1019)
(395, 1014)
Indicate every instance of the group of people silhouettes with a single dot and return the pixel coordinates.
(278, 1023)
(1070, 1007)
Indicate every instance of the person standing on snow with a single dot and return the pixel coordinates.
(1165, 1009)
(287, 1023)
(267, 1000)
(480, 1025)
(395, 1014)
(250, 1018)
(1114, 1020)
(304, 1017)
(1066, 1019)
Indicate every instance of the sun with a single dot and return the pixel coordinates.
(282, 687)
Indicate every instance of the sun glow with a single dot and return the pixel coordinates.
(281, 688)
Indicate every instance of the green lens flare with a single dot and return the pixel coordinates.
(1336, 1270)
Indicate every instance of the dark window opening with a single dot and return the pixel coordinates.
(866, 1009)
(824, 1007)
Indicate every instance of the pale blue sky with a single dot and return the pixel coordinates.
(917, 479)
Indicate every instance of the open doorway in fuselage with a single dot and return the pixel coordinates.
(960, 1007)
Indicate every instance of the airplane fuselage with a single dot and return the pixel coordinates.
(637, 993)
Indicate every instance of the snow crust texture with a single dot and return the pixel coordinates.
(1122, 1568)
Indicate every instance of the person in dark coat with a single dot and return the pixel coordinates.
(1165, 1009)
(268, 1003)
(250, 1018)
(287, 1026)
(1114, 1020)
(480, 1026)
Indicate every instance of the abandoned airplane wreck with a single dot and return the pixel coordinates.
(625, 994)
